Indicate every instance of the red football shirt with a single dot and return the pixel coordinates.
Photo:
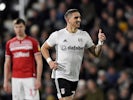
(22, 54)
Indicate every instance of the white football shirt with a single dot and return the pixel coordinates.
(69, 52)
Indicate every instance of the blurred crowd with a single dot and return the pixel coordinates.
(109, 77)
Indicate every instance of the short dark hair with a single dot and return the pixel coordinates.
(70, 11)
(19, 21)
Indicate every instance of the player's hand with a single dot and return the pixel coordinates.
(37, 84)
(53, 64)
(101, 36)
(7, 87)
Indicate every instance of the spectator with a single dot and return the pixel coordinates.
(93, 93)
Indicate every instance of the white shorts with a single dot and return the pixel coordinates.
(23, 88)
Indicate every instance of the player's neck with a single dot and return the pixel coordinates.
(21, 37)
(71, 29)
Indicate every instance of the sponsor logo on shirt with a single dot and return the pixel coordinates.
(21, 54)
(75, 48)
(21, 47)
(63, 47)
(25, 45)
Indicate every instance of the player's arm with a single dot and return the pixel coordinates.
(38, 59)
(39, 63)
(96, 49)
(7, 74)
(45, 52)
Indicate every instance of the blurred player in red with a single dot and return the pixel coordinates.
(23, 55)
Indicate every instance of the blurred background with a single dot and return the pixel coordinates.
(109, 77)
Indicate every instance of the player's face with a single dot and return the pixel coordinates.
(75, 19)
(19, 29)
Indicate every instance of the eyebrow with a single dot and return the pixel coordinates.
(77, 17)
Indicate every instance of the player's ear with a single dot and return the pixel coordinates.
(66, 19)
